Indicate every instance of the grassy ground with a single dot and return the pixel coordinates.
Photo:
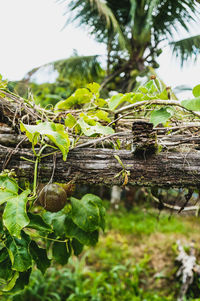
(134, 260)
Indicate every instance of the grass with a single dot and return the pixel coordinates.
(145, 222)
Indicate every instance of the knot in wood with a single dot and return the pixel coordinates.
(144, 138)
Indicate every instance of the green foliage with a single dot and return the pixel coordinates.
(88, 213)
(196, 91)
(55, 132)
(135, 29)
(15, 217)
(192, 104)
(161, 115)
(30, 233)
(68, 230)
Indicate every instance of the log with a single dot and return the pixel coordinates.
(99, 166)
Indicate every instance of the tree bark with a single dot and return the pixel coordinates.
(99, 166)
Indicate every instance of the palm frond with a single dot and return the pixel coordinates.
(82, 69)
(187, 48)
(172, 15)
(85, 10)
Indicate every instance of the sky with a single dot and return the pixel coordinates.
(32, 34)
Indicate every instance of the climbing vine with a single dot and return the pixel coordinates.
(44, 223)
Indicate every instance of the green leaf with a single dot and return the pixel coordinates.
(196, 91)
(21, 281)
(163, 95)
(37, 222)
(11, 283)
(18, 250)
(143, 89)
(85, 214)
(77, 246)
(57, 220)
(83, 96)
(3, 254)
(8, 188)
(115, 101)
(70, 121)
(80, 97)
(5, 265)
(150, 85)
(39, 256)
(191, 104)
(15, 217)
(64, 226)
(97, 200)
(102, 115)
(100, 102)
(61, 251)
(160, 116)
(54, 131)
(94, 88)
(89, 130)
(86, 238)
(3, 83)
(67, 103)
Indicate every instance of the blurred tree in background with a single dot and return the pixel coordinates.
(135, 31)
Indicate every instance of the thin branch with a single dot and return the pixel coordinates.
(157, 102)
(95, 141)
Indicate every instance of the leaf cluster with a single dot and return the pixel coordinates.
(30, 238)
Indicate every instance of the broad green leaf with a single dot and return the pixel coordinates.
(18, 250)
(97, 200)
(61, 252)
(73, 231)
(196, 91)
(80, 97)
(115, 101)
(94, 88)
(57, 222)
(89, 130)
(102, 115)
(85, 214)
(70, 121)
(64, 226)
(160, 116)
(67, 103)
(37, 222)
(8, 188)
(83, 96)
(54, 131)
(77, 246)
(39, 256)
(15, 217)
(191, 104)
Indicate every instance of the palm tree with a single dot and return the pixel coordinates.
(135, 31)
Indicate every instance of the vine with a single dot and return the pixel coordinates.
(39, 226)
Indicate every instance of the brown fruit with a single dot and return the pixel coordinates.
(52, 197)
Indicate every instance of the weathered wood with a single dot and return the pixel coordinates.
(99, 166)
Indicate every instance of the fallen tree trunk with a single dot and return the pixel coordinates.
(99, 166)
